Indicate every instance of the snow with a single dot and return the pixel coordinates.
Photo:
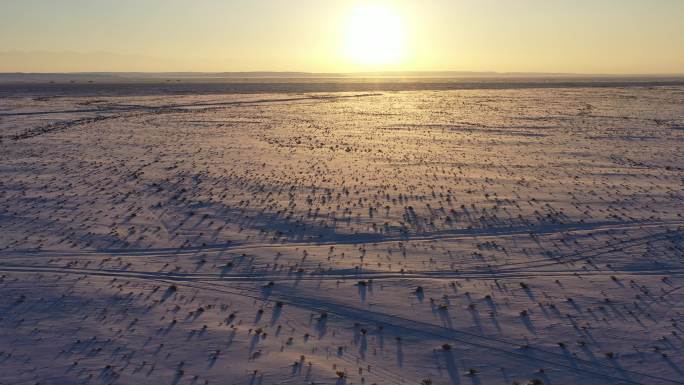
(485, 236)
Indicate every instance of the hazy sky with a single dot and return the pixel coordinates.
(581, 36)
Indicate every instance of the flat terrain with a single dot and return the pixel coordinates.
(490, 236)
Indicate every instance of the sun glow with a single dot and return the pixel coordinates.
(375, 36)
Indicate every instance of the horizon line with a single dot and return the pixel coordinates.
(381, 73)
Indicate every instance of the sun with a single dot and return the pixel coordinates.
(375, 36)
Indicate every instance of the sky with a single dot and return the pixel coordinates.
(558, 36)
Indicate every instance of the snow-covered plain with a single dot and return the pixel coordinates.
(445, 237)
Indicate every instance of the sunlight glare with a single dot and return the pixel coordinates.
(375, 36)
